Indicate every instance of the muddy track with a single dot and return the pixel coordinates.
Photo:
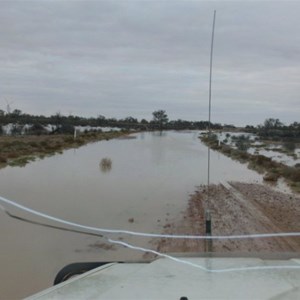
(238, 208)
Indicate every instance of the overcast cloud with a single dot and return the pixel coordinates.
(129, 58)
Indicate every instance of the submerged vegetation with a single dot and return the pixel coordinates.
(105, 164)
(272, 169)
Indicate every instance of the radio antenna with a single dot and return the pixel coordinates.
(209, 101)
(207, 216)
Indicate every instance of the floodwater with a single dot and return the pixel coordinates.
(147, 184)
(278, 156)
(272, 151)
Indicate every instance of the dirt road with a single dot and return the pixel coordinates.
(237, 208)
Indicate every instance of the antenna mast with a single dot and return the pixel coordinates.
(209, 104)
(208, 242)
(210, 73)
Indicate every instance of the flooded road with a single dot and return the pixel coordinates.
(148, 184)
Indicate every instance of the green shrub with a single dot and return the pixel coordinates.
(242, 142)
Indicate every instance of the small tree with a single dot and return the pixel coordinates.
(161, 118)
(101, 120)
(16, 113)
(272, 123)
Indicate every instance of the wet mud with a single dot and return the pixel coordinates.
(237, 209)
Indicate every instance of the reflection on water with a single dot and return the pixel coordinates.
(150, 183)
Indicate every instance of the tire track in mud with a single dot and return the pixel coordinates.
(280, 211)
(265, 224)
(237, 208)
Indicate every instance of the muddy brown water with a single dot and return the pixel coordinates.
(147, 185)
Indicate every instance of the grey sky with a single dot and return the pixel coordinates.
(129, 58)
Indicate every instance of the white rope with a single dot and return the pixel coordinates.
(129, 246)
(143, 234)
(186, 262)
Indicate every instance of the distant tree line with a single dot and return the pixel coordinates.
(271, 128)
(274, 129)
(65, 124)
